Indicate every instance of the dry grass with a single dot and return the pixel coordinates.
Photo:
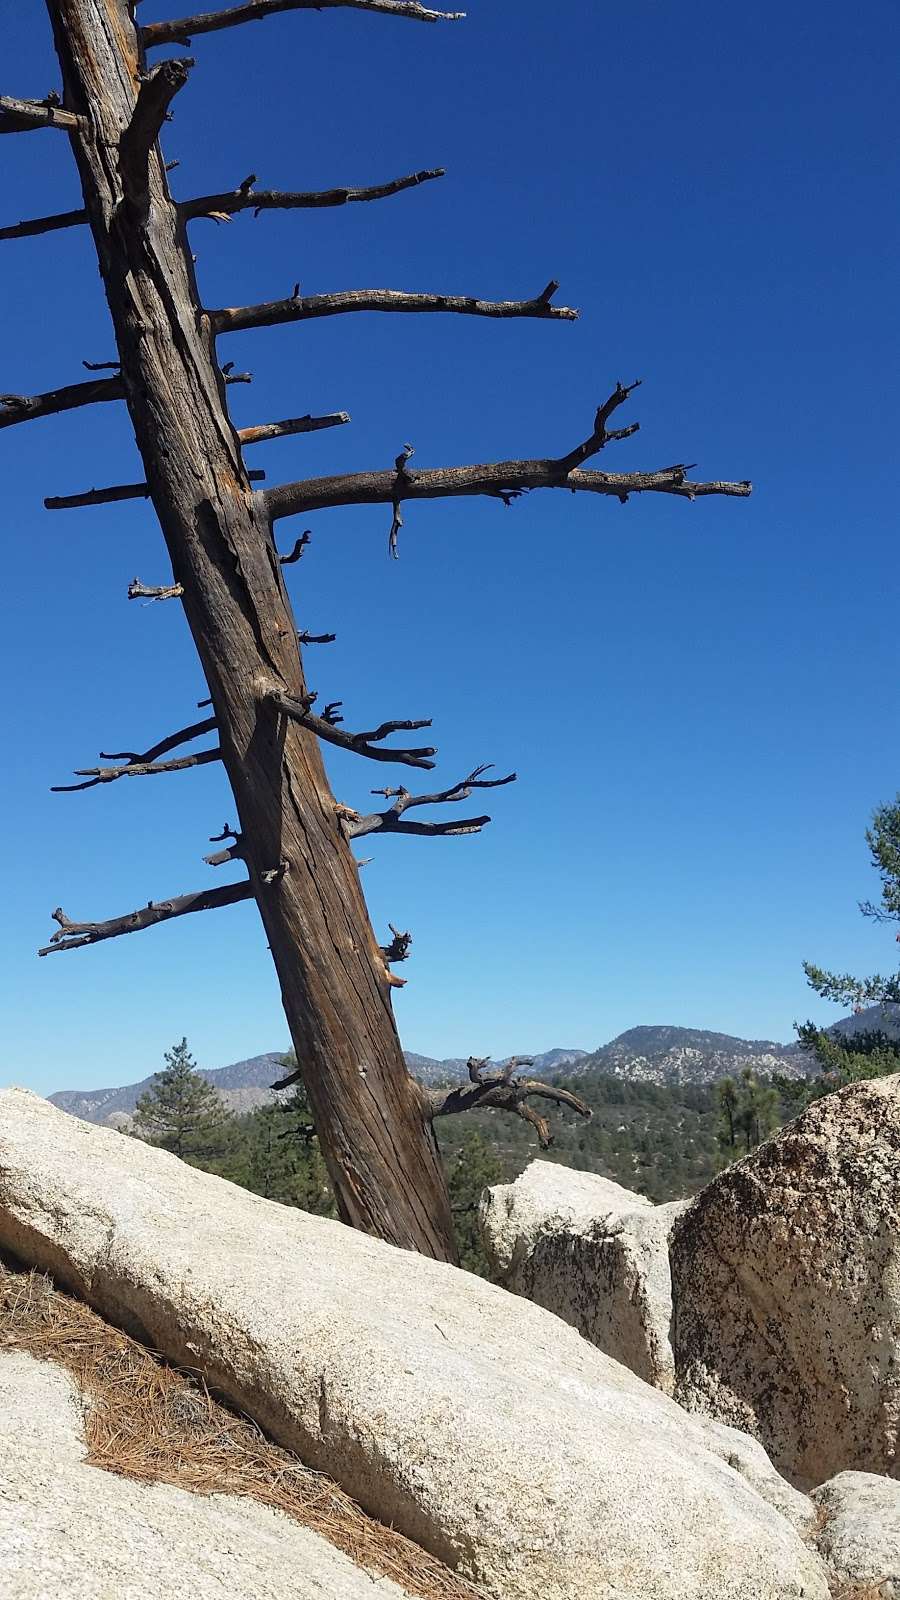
(158, 1424)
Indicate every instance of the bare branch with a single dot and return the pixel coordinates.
(105, 497)
(600, 434)
(135, 769)
(234, 851)
(157, 90)
(24, 408)
(247, 199)
(503, 480)
(305, 637)
(501, 1092)
(221, 207)
(181, 30)
(22, 116)
(36, 225)
(143, 591)
(279, 430)
(73, 935)
(146, 762)
(390, 821)
(361, 744)
(300, 308)
(299, 547)
(399, 947)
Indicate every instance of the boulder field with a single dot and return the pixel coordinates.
(770, 1303)
(478, 1424)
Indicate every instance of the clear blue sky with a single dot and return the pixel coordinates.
(701, 700)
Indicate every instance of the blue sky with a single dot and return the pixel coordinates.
(700, 700)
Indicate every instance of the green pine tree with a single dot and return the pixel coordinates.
(182, 1113)
(873, 1053)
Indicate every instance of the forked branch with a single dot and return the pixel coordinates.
(503, 480)
(73, 935)
(502, 1091)
(300, 308)
(180, 30)
(144, 763)
(361, 744)
(390, 821)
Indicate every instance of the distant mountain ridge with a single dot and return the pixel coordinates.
(247, 1084)
(670, 1055)
(663, 1054)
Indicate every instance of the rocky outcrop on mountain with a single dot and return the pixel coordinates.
(72, 1530)
(478, 1424)
(592, 1252)
(669, 1055)
(859, 1532)
(786, 1286)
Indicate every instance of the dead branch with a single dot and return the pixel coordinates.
(299, 547)
(501, 1092)
(146, 762)
(247, 199)
(399, 947)
(600, 435)
(158, 88)
(24, 408)
(180, 31)
(361, 744)
(23, 116)
(280, 430)
(305, 637)
(72, 935)
(35, 225)
(144, 591)
(234, 851)
(390, 821)
(300, 308)
(106, 497)
(221, 207)
(502, 480)
(135, 769)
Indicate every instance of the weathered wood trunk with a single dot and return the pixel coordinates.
(379, 1148)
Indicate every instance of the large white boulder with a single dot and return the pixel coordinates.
(786, 1285)
(73, 1531)
(860, 1531)
(594, 1253)
(479, 1425)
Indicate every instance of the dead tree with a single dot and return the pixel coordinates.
(293, 839)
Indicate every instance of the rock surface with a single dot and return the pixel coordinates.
(74, 1531)
(592, 1252)
(478, 1424)
(860, 1534)
(786, 1283)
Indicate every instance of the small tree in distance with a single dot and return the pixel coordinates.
(182, 1113)
(871, 1052)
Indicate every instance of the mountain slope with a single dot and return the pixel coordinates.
(247, 1084)
(670, 1055)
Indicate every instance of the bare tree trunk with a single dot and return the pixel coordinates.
(379, 1147)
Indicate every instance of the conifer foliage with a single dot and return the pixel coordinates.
(182, 1113)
